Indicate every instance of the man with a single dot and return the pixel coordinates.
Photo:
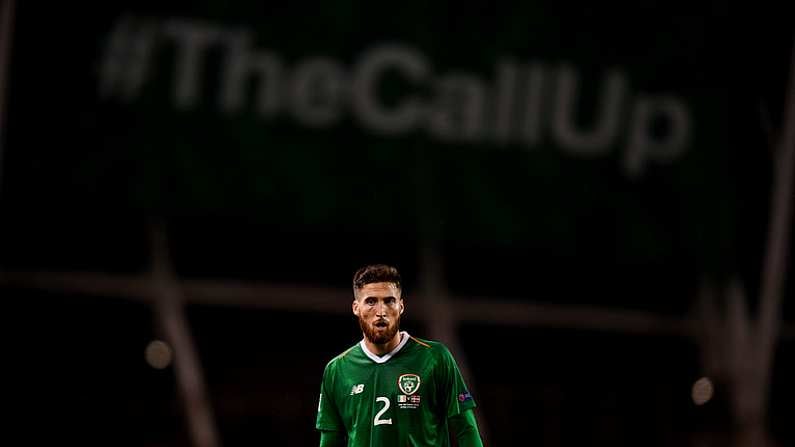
(391, 389)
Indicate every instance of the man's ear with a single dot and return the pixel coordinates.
(402, 306)
(355, 307)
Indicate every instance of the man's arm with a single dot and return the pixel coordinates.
(464, 429)
(459, 402)
(329, 422)
(332, 439)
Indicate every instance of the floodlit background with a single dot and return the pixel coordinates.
(590, 204)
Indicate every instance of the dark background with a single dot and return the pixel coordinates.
(268, 200)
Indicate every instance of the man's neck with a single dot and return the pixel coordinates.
(381, 349)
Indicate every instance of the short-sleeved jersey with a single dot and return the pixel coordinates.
(400, 399)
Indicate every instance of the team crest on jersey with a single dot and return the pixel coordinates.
(409, 383)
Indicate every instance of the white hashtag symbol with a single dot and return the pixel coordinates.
(127, 58)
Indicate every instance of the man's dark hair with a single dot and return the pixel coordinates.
(375, 273)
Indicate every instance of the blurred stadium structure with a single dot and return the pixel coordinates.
(619, 250)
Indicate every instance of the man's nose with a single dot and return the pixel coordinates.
(380, 309)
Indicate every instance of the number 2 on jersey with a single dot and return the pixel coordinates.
(378, 420)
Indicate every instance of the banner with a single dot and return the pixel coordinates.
(537, 124)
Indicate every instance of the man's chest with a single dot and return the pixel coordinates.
(398, 389)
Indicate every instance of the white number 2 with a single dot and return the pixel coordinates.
(378, 420)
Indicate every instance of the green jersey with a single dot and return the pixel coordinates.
(400, 399)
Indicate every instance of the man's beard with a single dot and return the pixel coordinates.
(379, 337)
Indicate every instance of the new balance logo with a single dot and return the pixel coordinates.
(357, 389)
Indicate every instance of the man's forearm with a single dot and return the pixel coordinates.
(464, 428)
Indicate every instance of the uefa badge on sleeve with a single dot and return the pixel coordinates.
(408, 385)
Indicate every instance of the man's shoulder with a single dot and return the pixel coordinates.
(432, 347)
(344, 355)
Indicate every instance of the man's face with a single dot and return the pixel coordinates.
(378, 306)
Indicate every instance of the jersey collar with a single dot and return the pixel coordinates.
(404, 338)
